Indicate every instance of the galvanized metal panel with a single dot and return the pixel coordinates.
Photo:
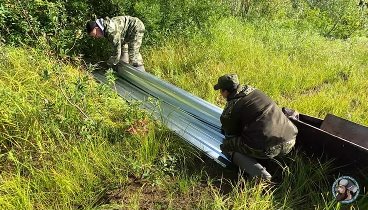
(192, 118)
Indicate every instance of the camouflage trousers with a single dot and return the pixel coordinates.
(237, 144)
(131, 48)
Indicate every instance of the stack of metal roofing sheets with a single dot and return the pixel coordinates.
(192, 118)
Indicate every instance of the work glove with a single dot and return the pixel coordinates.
(112, 61)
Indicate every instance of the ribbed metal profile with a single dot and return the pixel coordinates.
(192, 118)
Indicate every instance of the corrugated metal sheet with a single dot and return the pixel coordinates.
(192, 118)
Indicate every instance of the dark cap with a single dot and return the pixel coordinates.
(227, 82)
(90, 25)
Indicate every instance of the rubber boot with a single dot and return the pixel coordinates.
(250, 166)
(124, 54)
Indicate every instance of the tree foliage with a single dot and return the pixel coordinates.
(59, 25)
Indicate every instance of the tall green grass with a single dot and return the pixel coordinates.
(67, 142)
(297, 68)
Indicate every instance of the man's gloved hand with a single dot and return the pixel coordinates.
(112, 61)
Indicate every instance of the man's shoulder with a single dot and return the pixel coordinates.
(122, 20)
(125, 17)
(112, 24)
(230, 105)
(248, 89)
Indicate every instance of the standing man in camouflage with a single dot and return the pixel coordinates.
(253, 125)
(125, 33)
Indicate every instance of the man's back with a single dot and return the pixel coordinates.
(243, 107)
(255, 117)
(124, 26)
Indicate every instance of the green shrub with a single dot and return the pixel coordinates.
(54, 25)
(57, 26)
(252, 9)
(332, 18)
(177, 17)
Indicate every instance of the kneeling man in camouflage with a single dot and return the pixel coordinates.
(253, 125)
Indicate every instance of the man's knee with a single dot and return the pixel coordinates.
(237, 144)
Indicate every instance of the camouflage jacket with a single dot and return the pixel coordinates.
(253, 116)
(120, 30)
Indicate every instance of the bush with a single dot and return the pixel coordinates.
(177, 17)
(58, 25)
(332, 18)
(252, 9)
(54, 25)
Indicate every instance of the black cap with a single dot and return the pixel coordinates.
(227, 82)
(90, 25)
